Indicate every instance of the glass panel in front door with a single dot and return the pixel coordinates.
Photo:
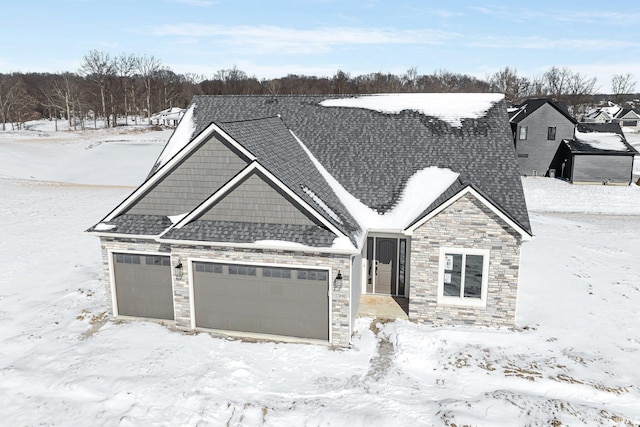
(370, 265)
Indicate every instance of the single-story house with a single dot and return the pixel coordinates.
(169, 117)
(273, 215)
(599, 154)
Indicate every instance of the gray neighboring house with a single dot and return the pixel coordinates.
(538, 126)
(599, 154)
(272, 216)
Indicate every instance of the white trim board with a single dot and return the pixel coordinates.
(284, 247)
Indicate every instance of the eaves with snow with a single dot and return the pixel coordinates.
(606, 141)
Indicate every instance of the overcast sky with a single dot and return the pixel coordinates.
(317, 37)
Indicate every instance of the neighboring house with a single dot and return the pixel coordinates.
(598, 116)
(612, 113)
(538, 126)
(169, 117)
(628, 118)
(273, 215)
(599, 154)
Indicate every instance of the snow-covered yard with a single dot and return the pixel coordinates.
(572, 359)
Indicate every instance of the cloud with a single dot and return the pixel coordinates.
(540, 43)
(274, 39)
(559, 15)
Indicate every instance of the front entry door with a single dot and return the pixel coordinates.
(386, 256)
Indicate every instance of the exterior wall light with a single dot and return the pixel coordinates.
(177, 270)
(337, 283)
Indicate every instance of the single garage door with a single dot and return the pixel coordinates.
(262, 299)
(143, 286)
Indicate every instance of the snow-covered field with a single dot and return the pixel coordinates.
(572, 360)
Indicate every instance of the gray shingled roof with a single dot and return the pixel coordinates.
(142, 225)
(280, 153)
(601, 127)
(374, 154)
(243, 232)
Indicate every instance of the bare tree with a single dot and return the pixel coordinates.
(537, 87)
(508, 82)
(233, 81)
(125, 66)
(98, 67)
(62, 94)
(580, 88)
(148, 67)
(341, 82)
(8, 87)
(410, 79)
(622, 84)
(556, 81)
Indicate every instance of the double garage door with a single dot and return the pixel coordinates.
(253, 299)
(261, 299)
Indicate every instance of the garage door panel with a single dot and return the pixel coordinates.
(268, 305)
(143, 290)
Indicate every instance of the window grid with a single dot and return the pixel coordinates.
(312, 275)
(127, 259)
(523, 133)
(207, 267)
(283, 273)
(157, 260)
(242, 270)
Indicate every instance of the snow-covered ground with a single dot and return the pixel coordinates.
(572, 359)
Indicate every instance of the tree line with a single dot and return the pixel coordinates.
(132, 87)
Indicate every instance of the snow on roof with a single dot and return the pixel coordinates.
(602, 140)
(419, 192)
(612, 110)
(104, 227)
(322, 204)
(448, 107)
(179, 138)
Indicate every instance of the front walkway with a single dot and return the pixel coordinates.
(384, 307)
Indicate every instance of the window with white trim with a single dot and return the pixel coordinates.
(463, 276)
(523, 133)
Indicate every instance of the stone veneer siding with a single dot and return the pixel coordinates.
(467, 223)
(340, 310)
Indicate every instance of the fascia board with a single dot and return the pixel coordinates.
(121, 235)
(292, 248)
